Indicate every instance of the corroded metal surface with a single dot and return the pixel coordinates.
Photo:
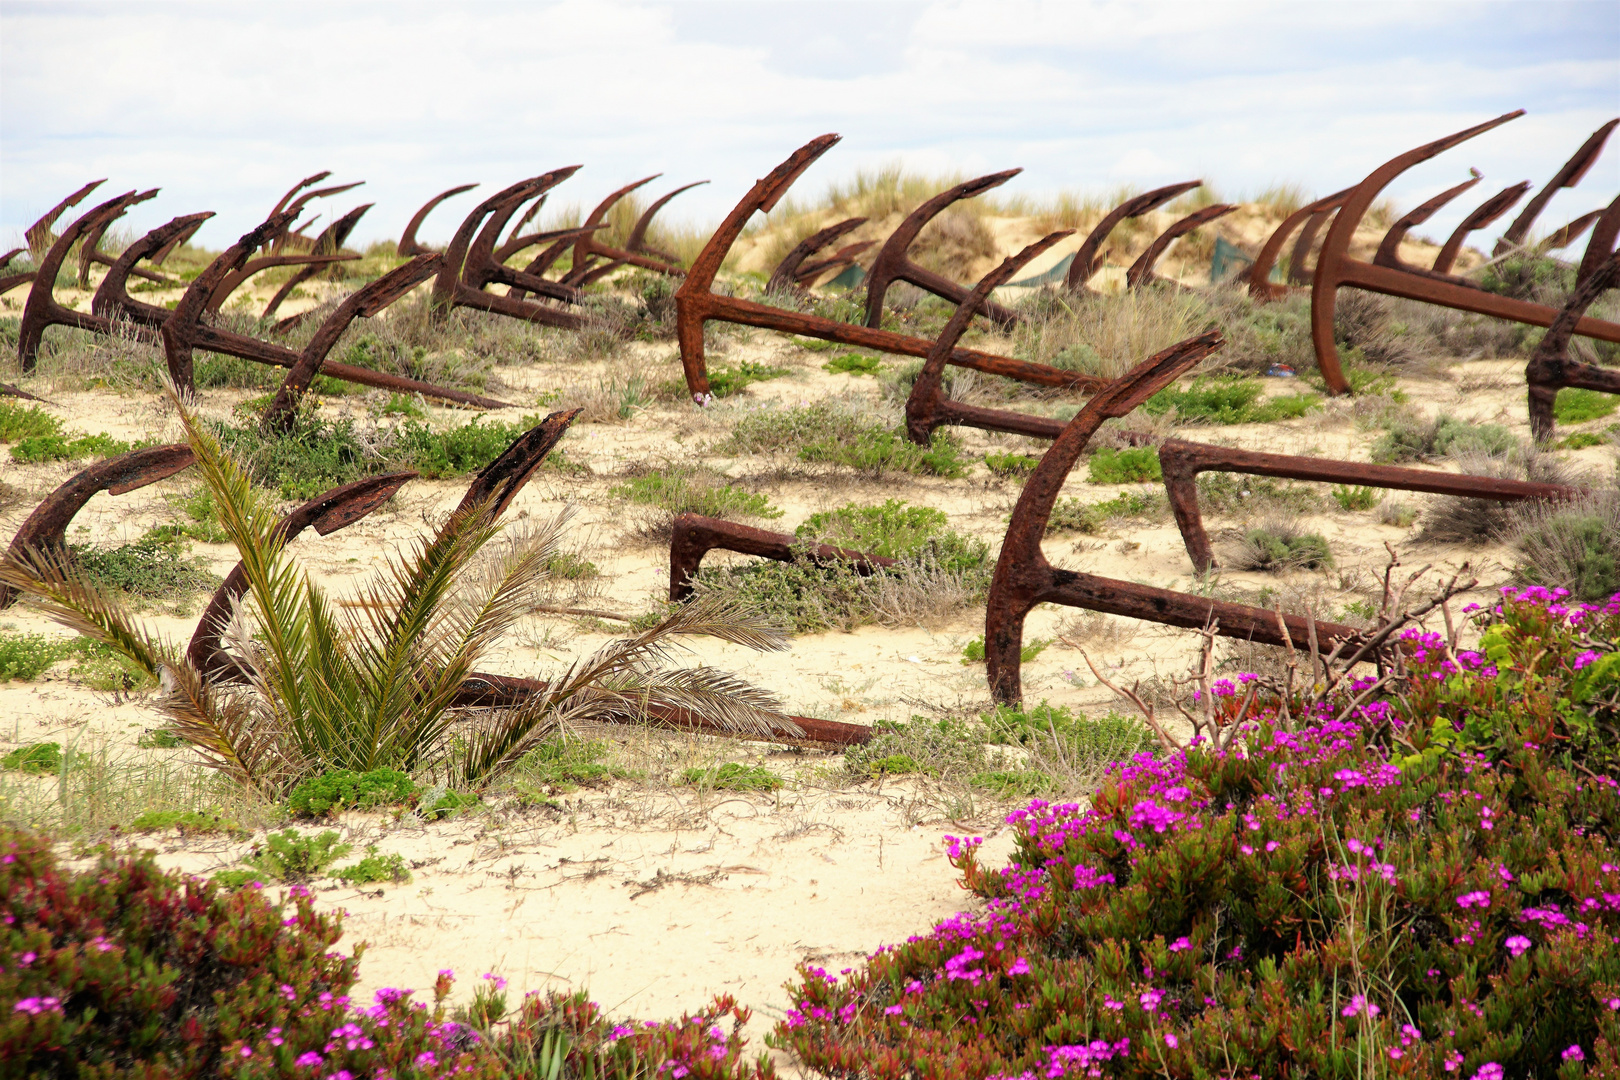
(927, 407)
(407, 240)
(41, 309)
(1141, 271)
(39, 235)
(894, 264)
(696, 303)
(112, 300)
(1388, 253)
(786, 274)
(1312, 216)
(1089, 258)
(1485, 213)
(1335, 268)
(1023, 577)
(329, 242)
(1182, 461)
(694, 536)
(588, 249)
(1550, 368)
(46, 528)
(1567, 177)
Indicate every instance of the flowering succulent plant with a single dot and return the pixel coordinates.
(1402, 876)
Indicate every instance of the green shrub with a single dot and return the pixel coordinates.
(822, 433)
(1228, 401)
(293, 858)
(202, 524)
(1239, 495)
(893, 765)
(1014, 783)
(104, 669)
(188, 822)
(459, 450)
(1573, 546)
(726, 381)
(41, 448)
(1580, 440)
(37, 759)
(26, 656)
(732, 776)
(893, 530)
(688, 491)
(1133, 465)
(375, 868)
(337, 790)
(300, 464)
(1576, 406)
(159, 739)
(18, 421)
(1010, 466)
(153, 566)
(1072, 515)
(1282, 546)
(1114, 737)
(566, 764)
(1414, 440)
(853, 364)
(973, 651)
(1414, 888)
(1352, 498)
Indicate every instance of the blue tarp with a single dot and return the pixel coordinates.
(1051, 277)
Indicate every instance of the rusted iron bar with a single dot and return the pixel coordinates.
(292, 193)
(696, 303)
(1550, 368)
(844, 256)
(329, 242)
(183, 331)
(90, 254)
(41, 309)
(1089, 258)
(326, 513)
(282, 412)
(481, 268)
(1313, 215)
(1600, 246)
(46, 527)
(451, 290)
(588, 249)
(1182, 461)
(528, 216)
(1388, 253)
(499, 482)
(928, 408)
(786, 275)
(1298, 275)
(167, 249)
(1023, 577)
(1141, 271)
(637, 241)
(112, 300)
(1562, 238)
(1485, 213)
(407, 240)
(695, 536)
(12, 281)
(1567, 177)
(275, 242)
(237, 278)
(7, 390)
(1335, 268)
(893, 264)
(39, 235)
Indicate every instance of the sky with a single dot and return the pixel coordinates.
(225, 105)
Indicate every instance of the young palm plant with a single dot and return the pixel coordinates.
(373, 681)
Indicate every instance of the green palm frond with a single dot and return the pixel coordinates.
(67, 597)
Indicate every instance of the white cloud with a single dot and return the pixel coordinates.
(226, 105)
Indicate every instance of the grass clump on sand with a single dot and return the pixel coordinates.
(1132, 465)
(1573, 545)
(337, 790)
(688, 490)
(155, 567)
(561, 765)
(1281, 544)
(19, 422)
(1010, 466)
(375, 869)
(37, 759)
(37, 449)
(1352, 497)
(842, 436)
(1415, 440)
(1073, 515)
(732, 776)
(288, 857)
(726, 381)
(973, 651)
(1237, 494)
(25, 657)
(187, 823)
(853, 364)
(1228, 401)
(938, 572)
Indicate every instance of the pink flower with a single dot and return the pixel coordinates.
(1518, 945)
(1170, 1040)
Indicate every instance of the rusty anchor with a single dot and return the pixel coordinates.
(695, 536)
(1485, 213)
(39, 234)
(696, 302)
(1089, 258)
(637, 244)
(470, 265)
(1313, 216)
(588, 249)
(46, 528)
(184, 331)
(329, 242)
(1388, 253)
(1550, 368)
(41, 309)
(1567, 177)
(1182, 461)
(1141, 271)
(792, 272)
(90, 254)
(1023, 577)
(12, 281)
(408, 245)
(483, 267)
(892, 263)
(112, 300)
(1335, 268)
